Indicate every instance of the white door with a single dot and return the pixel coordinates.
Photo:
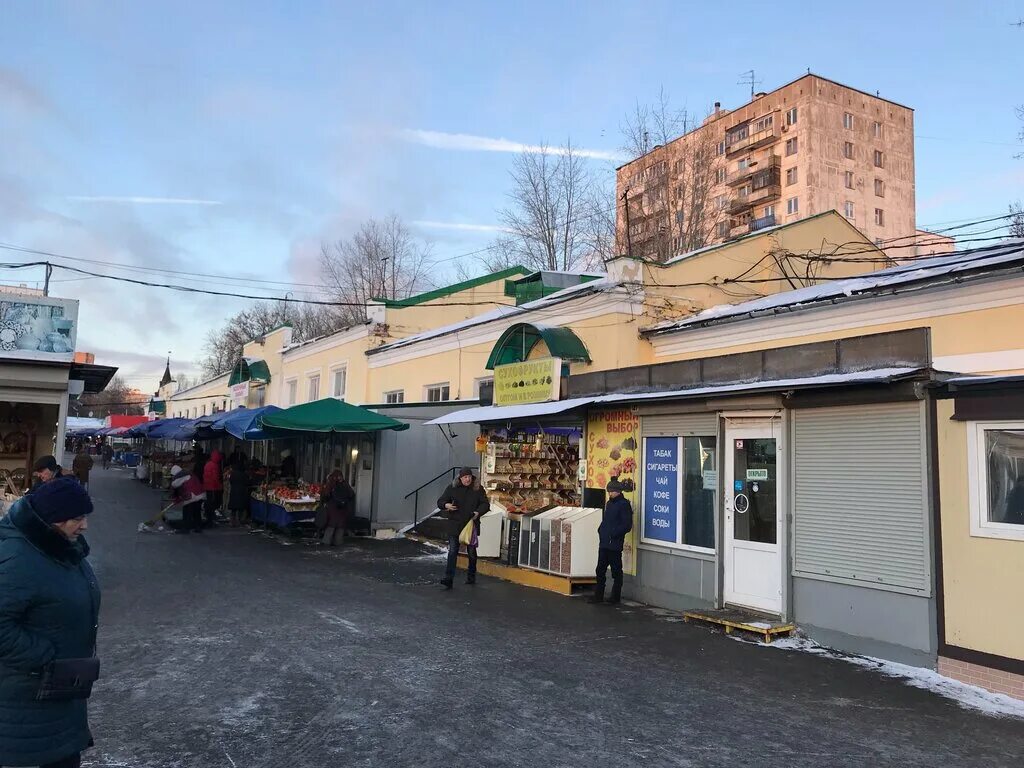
(753, 531)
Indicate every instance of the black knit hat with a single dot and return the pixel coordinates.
(60, 500)
(466, 471)
(615, 485)
(45, 462)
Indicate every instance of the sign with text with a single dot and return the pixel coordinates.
(661, 488)
(240, 394)
(613, 451)
(533, 381)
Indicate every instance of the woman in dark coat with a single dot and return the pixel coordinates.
(49, 612)
(238, 490)
(338, 498)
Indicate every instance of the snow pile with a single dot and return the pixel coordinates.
(967, 696)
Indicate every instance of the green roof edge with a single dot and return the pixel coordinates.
(448, 290)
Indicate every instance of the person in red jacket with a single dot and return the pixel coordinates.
(213, 484)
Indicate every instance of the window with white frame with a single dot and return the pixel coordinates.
(792, 147)
(879, 188)
(848, 150)
(481, 382)
(394, 396)
(879, 159)
(848, 209)
(847, 121)
(848, 179)
(313, 387)
(791, 117)
(291, 388)
(791, 176)
(769, 210)
(680, 481)
(793, 205)
(436, 393)
(720, 176)
(339, 381)
(876, 130)
(995, 471)
(879, 217)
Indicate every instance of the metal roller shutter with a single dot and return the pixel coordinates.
(684, 424)
(860, 505)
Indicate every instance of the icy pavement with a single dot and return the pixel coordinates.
(231, 649)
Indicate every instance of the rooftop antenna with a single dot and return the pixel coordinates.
(748, 78)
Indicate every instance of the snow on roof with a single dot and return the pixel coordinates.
(870, 283)
(502, 312)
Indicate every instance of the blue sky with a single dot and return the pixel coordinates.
(285, 124)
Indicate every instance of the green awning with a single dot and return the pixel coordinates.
(249, 369)
(329, 415)
(158, 406)
(518, 341)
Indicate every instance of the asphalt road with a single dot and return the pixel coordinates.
(235, 649)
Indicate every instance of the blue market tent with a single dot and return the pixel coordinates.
(165, 429)
(245, 423)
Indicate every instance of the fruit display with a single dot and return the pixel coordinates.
(294, 498)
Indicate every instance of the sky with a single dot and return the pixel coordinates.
(212, 138)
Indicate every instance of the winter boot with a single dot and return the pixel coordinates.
(597, 597)
(471, 579)
(446, 583)
(616, 594)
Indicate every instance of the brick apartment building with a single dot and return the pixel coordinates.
(810, 146)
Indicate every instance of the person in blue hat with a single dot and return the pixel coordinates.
(49, 616)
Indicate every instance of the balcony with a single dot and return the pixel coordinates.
(751, 140)
(745, 225)
(765, 184)
(739, 176)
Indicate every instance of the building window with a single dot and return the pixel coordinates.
(847, 121)
(681, 488)
(743, 164)
(721, 147)
(791, 117)
(679, 218)
(764, 124)
(791, 146)
(848, 179)
(879, 217)
(722, 201)
(876, 130)
(995, 474)
(395, 396)
(769, 211)
(720, 175)
(848, 209)
(723, 229)
(478, 384)
(339, 382)
(791, 176)
(879, 188)
(313, 387)
(437, 393)
(879, 159)
(204, 410)
(793, 205)
(291, 391)
(848, 150)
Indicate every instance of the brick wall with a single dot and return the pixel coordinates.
(993, 680)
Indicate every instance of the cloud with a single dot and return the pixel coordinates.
(465, 142)
(461, 226)
(142, 200)
(17, 91)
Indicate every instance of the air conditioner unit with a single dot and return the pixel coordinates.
(785, 128)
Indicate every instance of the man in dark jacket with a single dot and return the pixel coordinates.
(616, 522)
(462, 502)
(45, 469)
(49, 609)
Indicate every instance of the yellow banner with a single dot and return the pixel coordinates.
(535, 381)
(613, 450)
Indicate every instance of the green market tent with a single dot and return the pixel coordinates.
(328, 415)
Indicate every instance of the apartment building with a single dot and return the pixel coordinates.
(810, 146)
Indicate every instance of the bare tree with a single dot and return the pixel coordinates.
(183, 381)
(1016, 220)
(674, 201)
(116, 398)
(382, 260)
(553, 200)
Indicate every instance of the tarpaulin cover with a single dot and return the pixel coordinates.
(244, 423)
(328, 415)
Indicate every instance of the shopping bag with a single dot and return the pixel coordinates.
(467, 535)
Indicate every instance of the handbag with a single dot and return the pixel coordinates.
(67, 679)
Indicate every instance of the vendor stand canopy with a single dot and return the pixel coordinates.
(517, 343)
(244, 423)
(328, 415)
(249, 369)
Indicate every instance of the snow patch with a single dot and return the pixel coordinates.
(967, 696)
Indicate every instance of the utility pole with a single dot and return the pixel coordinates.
(629, 237)
(46, 282)
(384, 278)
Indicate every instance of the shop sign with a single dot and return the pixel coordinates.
(757, 474)
(613, 451)
(240, 394)
(661, 488)
(533, 381)
(38, 328)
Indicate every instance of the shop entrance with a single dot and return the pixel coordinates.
(753, 531)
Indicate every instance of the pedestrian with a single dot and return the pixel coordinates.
(49, 615)
(616, 522)
(239, 491)
(44, 470)
(463, 501)
(213, 484)
(108, 454)
(288, 469)
(337, 498)
(81, 465)
(187, 490)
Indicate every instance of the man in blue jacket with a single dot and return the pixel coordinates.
(616, 522)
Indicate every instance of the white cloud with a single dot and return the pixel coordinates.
(460, 226)
(465, 142)
(142, 200)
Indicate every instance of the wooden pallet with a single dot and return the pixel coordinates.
(731, 620)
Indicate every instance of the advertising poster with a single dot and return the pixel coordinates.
(613, 450)
(533, 381)
(661, 489)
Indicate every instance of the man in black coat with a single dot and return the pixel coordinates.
(463, 501)
(616, 522)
